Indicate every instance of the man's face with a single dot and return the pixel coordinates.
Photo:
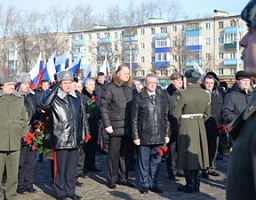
(209, 84)
(45, 86)
(8, 88)
(151, 84)
(90, 86)
(79, 87)
(244, 84)
(137, 85)
(66, 86)
(249, 52)
(177, 83)
(100, 79)
(124, 74)
(24, 87)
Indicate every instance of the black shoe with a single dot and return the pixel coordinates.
(156, 189)
(205, 175)
(144, 190)
(126, 183)
(111, 185)
(21, 191)
(32, 190)
(213, 173)
(82, 175)
(186, 189)
(180, 174)
(79, 184)
(93, 169)
(76, 197)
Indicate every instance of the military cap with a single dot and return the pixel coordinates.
(213, 75)
(248, 14)
(65, 75)
(23, 77)
(192, 75)
(7, 75)
(242, 74)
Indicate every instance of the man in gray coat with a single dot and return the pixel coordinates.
(192, 110)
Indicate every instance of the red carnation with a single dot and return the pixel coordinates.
(34, 148)
(30, 135)
(88, 137)
(36, 124)
(43, 126)
(160, 152)
(94, 98)
(165, 149)
(38, 133)
(27, 140)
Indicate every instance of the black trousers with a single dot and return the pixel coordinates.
(118, 157)
(213, 143)
(171, 159)
(27, 164)
(90, 150)
(81, 159)
(65, 163)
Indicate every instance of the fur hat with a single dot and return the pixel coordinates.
(23, 77)
(7, 75)
(192, 75)
(248, 14)
(65, 75)
(242, 74)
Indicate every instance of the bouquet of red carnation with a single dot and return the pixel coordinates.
(163, 150)
(40, 139)
(90, 109)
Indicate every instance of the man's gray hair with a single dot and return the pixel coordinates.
(151, 75)
(89, 80)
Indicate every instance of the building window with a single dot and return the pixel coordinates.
(230, 38)
(161, 43)
(192, 40)
(163, 29)
(232, 55)
(142, 45)
(207, 26)
(90, 36)
(193, 26)
(207, 56)
(107, 35)
(175, 58)
(207, 41)
(232, 71)
(153, 31)
(220, 70)
(221, 56)
(164, 72)
(98, 36)
(142, 31)
(116, 34)
(174, 29)
(142, 72)
(153, 59)
(161, 57)
(116, 47)
(153, 45)
(142, 59)
(221, 40)
(221, 25)
(174, 43)
(183, 28)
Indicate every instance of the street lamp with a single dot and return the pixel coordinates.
(237, 44)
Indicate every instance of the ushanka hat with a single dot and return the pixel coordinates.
(65, 76)
(23, 77)
(7, 75)
(248, 14)
(192, 75)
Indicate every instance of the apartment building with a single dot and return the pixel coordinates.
(164, 47)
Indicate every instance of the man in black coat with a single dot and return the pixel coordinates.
(150, 131)
(27, 155)
(69, 127)
(210, 83)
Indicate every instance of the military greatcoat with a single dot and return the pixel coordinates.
(192, 109)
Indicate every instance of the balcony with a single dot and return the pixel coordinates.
(78, 42)
(76, 54)
(192, 62)
(130, 39)
(103, 53)
(162, 64)
(231, 62)
(232, 45)
(194, 48)
(134, 52)
(232, 29)
(194, 33)
(161, 36)
(105, 41)
(134, 65)
(162, 50)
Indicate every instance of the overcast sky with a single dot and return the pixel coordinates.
(192, 8)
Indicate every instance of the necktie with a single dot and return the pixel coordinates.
(152, 96)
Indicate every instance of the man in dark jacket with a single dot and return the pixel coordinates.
(192, 110)
(14, 126)
(173, 91)
(150, 131)
(241, 177)
(27, 155)
(210, 83)
(238, 97)
(115, 111)
(69, 127)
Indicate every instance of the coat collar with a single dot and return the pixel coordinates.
(15, 93)
(144, 92)
(62, 94)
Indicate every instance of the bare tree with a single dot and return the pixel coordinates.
(114, 15)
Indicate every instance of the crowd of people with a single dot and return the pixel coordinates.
(186, 122)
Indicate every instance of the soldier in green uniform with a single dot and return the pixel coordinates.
(192, 110)
(241, 177)
(13, 126)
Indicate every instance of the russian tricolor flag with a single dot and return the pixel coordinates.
(61, 62)
(49, 70)
(36, 73)
(75, 67)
